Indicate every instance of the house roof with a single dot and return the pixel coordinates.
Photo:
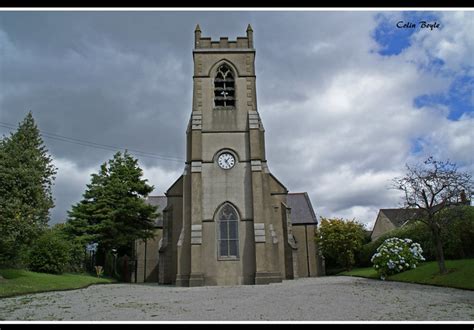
(400, 216)
(161, 202)
(301, 209)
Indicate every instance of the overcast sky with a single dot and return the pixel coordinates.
(346, 98)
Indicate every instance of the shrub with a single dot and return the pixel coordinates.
(340, 240)
(50, 253)
(458, 232)
(396, 255)
(416, 231)
(457, 235)
(366, 252)
(77, 251)
(77, 257)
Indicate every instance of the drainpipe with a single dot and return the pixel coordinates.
(307, 249)
(144, 264)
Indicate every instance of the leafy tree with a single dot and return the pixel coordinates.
(432, 187)
(26, 179)
(50, 253)
(457, 236)
(458, 232)
(77, 251)
(340, 240)
(113, 211)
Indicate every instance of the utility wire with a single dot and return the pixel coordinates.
(96, 145)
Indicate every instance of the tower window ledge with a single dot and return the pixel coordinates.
(224, 108)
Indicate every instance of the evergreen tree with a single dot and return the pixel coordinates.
(26, 179)
(113, 211)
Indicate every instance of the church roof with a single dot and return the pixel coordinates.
(302, 212)
(159, 201)
(400, 216)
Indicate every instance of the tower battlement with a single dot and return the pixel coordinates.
(224, 42)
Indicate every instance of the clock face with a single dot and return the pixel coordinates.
(226, 161)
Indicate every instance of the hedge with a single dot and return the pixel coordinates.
(457, 236)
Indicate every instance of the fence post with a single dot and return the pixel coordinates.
(136, 268)
(125, 268)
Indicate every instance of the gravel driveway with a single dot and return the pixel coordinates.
(332, 298)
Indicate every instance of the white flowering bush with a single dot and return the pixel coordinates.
(396, 255)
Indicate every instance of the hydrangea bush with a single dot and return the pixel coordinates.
(396, 255)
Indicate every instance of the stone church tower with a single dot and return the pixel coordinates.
(226, 221)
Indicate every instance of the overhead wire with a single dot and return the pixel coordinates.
(96, 145)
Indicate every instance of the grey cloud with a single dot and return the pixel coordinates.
(125, 79)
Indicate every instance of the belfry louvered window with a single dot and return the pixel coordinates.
(224, 88)
(228, 235)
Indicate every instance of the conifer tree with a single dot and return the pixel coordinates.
(113, 211)
(26, 179)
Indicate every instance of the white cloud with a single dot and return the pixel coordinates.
(354, 133)
(160, 178)
(69, 186)
(68, 171)
(358, 213)
(453, 43)
(451, 139)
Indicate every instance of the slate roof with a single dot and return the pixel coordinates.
(161, 202)
(301, 209)
(400, 216)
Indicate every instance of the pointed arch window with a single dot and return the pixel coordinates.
(228, 232)
(224, 88)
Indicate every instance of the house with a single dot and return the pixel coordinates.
(389, 219)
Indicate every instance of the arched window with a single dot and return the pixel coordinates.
(228, 232)
(224, 88)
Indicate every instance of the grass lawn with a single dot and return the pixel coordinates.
(20, 281)
(460, 274)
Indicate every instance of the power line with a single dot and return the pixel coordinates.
(91, 144)
(98, 145)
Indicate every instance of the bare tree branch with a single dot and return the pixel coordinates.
(431, 187)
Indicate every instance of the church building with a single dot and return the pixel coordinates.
(227, 220)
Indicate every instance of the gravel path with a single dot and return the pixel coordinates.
(308, 299)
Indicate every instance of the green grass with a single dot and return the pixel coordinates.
(20, 281)
(460, 274)
(362, 272)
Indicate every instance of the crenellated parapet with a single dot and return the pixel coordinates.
(202, 43)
